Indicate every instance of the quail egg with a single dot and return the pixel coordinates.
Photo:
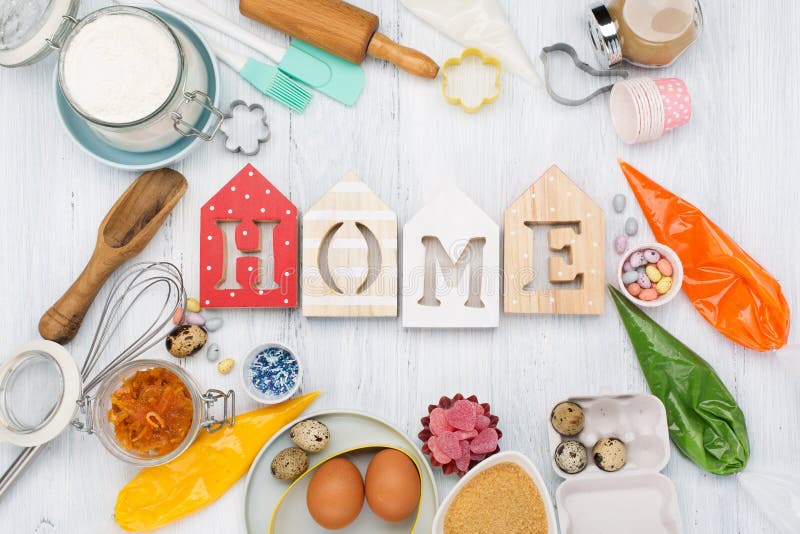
(571, 456)
(310, 435)
(609, 454)
(567, 419)
(289, 463)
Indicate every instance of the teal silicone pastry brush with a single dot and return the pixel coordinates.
(266, 78)
(315, 68)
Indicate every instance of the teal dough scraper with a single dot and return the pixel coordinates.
(266, 78)
(324, 72)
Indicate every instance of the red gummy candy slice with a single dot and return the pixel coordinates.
(461, 415)
(478, 408)
(462, 463)
(438, 454)
(449, 445)
(477, 457)
(438, 422)
(462, 435)
(485, 442)
(482, 422)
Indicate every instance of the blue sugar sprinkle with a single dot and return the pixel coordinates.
(274, 371)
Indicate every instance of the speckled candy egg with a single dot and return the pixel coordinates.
(289, 464)
(567, 419)
(619, 202)
(621, 244)
(651, 256)
(570, 457)
(310, 435)
(637, 259)
(631, 226)
(186, 340)
(609, 454)
(643, 281)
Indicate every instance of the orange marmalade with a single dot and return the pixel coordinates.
(152, 412)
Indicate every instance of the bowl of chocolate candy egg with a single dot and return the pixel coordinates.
(651, 275)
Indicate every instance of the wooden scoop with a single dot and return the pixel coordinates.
(126, 230)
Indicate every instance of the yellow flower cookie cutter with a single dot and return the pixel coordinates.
(485, 60)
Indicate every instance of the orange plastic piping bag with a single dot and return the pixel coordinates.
(160, 495)
(735, 294)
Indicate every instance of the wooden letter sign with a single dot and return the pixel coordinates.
(243, 217)
(350, 254)
(451, 265)
(578, 230)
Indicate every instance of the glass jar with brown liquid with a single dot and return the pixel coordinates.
(646, 33)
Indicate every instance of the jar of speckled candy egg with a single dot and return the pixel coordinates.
(650, 275)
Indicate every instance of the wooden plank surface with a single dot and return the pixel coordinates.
(737, 160)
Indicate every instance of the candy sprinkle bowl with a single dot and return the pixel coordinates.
(276, 368)
(502, 457)
(677, 275)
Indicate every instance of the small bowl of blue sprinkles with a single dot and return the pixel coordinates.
(271, 373)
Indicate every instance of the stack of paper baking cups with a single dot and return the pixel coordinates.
(643, 109)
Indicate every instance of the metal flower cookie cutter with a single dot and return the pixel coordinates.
(471, 80)
(238, 126)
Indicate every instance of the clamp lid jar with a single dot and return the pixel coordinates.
(646, 33)
(138, 82)
(148, 412)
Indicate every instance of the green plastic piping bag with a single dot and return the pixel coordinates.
(705, 423)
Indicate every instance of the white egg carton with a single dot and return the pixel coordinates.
(636, 499)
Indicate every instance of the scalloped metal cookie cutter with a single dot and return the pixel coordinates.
(228, 130)
(585, 67)
(485, 60)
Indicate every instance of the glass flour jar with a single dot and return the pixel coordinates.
(646, 33)
(139, 83)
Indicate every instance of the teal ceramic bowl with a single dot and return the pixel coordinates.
(103, 152)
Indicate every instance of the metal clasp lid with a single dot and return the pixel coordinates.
(210, 398)
(57, 40)
(203, 100)
(84, 419)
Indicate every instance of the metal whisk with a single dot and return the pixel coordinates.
(162, 281)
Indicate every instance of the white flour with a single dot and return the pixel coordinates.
(120, 68)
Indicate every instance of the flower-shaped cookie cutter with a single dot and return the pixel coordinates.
(229, 129)
(482, 95)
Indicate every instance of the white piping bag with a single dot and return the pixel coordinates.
(478, 23)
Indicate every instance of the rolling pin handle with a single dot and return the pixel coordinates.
(408, 59)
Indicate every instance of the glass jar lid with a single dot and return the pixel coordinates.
(39, 388)
(28, 26)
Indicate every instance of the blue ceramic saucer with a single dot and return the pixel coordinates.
(103, 152)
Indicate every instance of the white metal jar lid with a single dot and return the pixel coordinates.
(27, 26)
(39, 389)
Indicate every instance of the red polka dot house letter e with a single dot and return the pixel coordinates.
(237, 267)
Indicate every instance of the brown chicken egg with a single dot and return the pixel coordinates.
(392, 485)
(335, 494)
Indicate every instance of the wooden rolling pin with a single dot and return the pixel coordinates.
(340, 28)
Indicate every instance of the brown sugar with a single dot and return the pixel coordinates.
(503, 498)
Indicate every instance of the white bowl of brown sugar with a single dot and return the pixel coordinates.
(504, 493)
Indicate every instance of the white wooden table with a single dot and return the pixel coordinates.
(737, 160)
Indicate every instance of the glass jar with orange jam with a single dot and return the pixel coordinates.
(149, 412)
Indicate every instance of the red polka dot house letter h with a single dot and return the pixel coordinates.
(251, 204)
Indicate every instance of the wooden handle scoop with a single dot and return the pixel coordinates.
(340, 28)
(126, 230)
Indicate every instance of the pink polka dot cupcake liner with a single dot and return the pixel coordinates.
(643, 109)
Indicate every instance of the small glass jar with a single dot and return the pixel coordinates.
(202, 402)
(41, 393)
(645, 33)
